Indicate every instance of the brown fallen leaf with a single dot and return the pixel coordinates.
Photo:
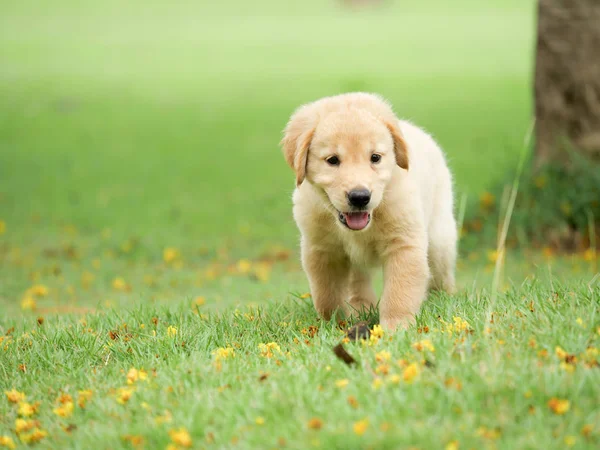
(341, 353)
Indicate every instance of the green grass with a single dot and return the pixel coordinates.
(126, 129)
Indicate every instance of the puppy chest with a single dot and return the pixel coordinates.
(362, 253)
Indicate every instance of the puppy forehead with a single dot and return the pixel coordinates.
(350, 131)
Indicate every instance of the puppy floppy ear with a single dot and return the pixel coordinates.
(400, 148)
(296, 141)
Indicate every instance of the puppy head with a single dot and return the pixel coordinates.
(346, 146)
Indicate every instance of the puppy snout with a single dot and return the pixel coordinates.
(359, 197)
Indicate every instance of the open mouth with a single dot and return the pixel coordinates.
(357, 220)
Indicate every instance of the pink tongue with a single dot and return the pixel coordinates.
(357, 220)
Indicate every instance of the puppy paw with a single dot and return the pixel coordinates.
(391, 324)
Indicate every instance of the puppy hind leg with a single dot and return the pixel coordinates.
(442, 252)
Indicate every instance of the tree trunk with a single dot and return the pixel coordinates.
(567, 80)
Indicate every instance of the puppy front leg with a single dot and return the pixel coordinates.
(406, 275)
(328, 279)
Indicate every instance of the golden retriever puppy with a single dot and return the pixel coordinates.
(371, 191)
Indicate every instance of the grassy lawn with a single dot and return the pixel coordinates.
(150, 288)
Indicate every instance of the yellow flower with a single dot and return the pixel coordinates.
(260, 420)
(199, 301)
(560, 353)
(83, 397)
(65, 410)
(377, 332)
(38, 290)
(6, 441)
(342, 383)
(488, 433)
(119, 284)
(15, 396)
(570, 441)
(2, 227)
(223, 353)
(589, 255)
(124, 394)
(410, 372)
(452, 445)
(579, 321)
(377, 383)
(134, 375)
(559, 406)
(28, 303)
(262, 272)
(27, 409)
(425, 344)
(35, 436)
(383, 356)
(395, 379)
(267, 350)
(315, 423)
(360, 427)
(171, 331)
(22, 425)
(181, 437)
(495, 255)
(244, 266)
(170, 254)
(487, 200)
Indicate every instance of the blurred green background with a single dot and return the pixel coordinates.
(164, 118)
(127, 127)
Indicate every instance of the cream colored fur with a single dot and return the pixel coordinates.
(412, 232)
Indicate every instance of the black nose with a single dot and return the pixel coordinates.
(359, 197)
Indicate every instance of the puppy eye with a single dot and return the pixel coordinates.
(375, 158)
(333, 161)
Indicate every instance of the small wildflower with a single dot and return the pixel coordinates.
(28, 303)
(579, 321)
(170, 254)
(35, 436)
(559, 406)
(180, 437)
(134, 375)
(377, 383)
(15, 396)
(244, 266)
(267, 350)
(410, 372)
(383, 356)
(377, 332)
(119, 284)
(223, 353)
(360, 427)
(315, 423)
(123, 395)
(395, 379)
(570, 441)
(425, 344)
(487, 200)
(83, 397)
(260, 420)
(587, 429)
(65, 410)
(171, 331)
(488, 433)
(6, 441)
(199, 301)
(38, 290)
(22, 425)
(342, 383)
(452, 445)
(134, 439)
(27, 409)
(352, 401)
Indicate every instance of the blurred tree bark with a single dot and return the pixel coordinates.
(567, 80)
